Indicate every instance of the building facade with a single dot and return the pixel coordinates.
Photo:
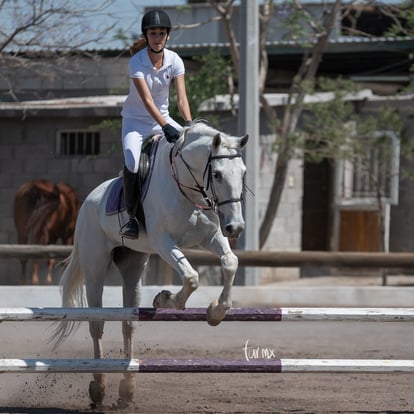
(66, 127)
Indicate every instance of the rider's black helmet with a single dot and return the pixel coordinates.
(155, 18)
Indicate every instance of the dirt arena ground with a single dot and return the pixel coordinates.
(217, 393)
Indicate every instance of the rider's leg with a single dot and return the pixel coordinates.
(130, 230)
(131, 145)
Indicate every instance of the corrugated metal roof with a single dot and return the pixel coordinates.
(220, 102)
(339, 40)
(333, 41)
(107, 101)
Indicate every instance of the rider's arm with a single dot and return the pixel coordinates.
(182, 100)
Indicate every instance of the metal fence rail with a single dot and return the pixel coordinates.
(246, 258)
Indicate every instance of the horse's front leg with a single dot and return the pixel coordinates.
(189, 276)
(229, 265)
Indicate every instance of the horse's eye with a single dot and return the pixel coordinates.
(217, 175)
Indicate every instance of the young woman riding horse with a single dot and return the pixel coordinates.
(194, 199)
(145, 112)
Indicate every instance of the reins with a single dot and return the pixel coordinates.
(212, 203)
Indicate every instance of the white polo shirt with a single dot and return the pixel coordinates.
(158, 81)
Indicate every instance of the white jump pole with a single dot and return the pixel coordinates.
(205, 365)
(287, 314)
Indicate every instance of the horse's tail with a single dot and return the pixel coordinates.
(71, 285)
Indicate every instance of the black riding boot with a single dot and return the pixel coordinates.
(130, 230)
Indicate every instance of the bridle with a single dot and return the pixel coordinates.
(212, 203)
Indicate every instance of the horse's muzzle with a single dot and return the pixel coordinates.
(233, 230)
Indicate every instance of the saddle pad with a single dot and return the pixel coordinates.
(116, 200)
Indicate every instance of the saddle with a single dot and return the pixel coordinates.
(116, 201)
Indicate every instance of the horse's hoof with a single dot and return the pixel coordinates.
(122, 404)
(215, 313)
(126, 392)
(96, 392)
(163, 300)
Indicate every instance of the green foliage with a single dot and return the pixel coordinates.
(210, 80)
(299, 23)
(108, 124)
(334, 129)
(324, 134)
(404, 20)
(388, 119)
(294, 21)
(404, 26)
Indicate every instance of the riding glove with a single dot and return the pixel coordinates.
(171, 134)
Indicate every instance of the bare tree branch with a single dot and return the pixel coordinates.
(34, 28)
(198, 24)
(225, 11)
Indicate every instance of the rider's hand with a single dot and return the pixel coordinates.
(171, 134)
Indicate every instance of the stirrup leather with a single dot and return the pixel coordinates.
(130, 229)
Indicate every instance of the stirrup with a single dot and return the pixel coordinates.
(130, 229)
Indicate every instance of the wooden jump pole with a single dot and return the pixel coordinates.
(199, 314)
(246, 257)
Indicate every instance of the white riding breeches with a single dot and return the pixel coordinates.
(133, 133)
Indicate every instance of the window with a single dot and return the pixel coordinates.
(78, 142)
(377, 171)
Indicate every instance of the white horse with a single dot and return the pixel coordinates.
(194, 199)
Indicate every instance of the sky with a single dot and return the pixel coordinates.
(128, 13)
(73, 30)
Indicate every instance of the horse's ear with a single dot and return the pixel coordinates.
(216, 141)
(243, 141)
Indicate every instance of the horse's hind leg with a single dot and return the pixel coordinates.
(49, 277)
(131, 265)
(98, 385)
(23, 275)
(94, 282)
(35, 274)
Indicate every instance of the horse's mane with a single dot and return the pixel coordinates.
(200, 128)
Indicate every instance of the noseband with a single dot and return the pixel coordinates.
(212, 203)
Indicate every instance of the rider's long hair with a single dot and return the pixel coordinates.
(137, 46)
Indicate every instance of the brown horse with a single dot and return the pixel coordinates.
(44, 212)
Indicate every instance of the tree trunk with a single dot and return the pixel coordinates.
(293, 110)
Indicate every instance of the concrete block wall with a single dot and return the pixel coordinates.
(285, 234)
(28, 152)
(76, 77)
